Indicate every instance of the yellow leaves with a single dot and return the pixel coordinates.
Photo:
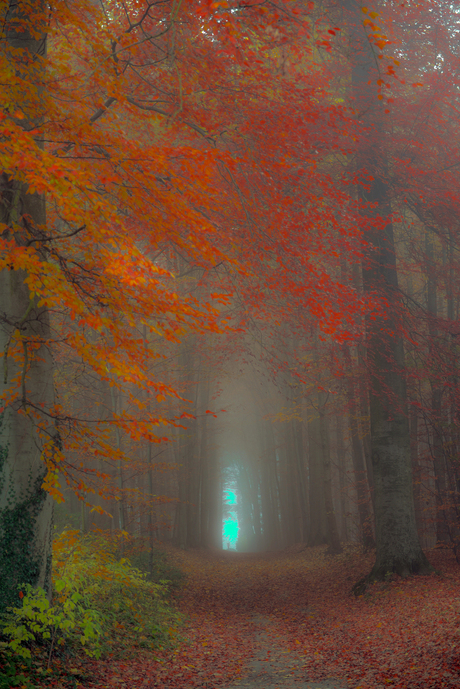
(112, 199)
(52, 486)
(52, 457)
(365, 10)
(99, 510)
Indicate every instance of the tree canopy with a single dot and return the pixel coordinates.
(240, 206)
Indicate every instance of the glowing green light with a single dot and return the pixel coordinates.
(230, 497)
(231, 529)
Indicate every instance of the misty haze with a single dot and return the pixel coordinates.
(230, 363)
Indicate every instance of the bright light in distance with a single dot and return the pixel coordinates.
(231, 529)
(230, 497)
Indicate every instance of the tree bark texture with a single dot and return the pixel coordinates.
(26, 380)
(397, 543)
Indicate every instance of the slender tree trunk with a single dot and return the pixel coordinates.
(152, 517)
(204, 468)
(397, 543)
(359, 468)
(318, 526)
(273, 484)
(254, 488)
(283, 493)
(416, 472)
(301, 478)
(265, 495)
(342, 469)
(216, 508)
(292, 483)
(116, 401)
(333, 539)
(184, 529)
(25, 508)
(246, 529)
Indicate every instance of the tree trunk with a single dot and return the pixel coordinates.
(186, 522)
(416, 472)
(204, 468)
(397, 543)
(437, 449)
(301, 477)
(216, 507)
(342, 470)
(318, 527)
(333, 540)
(359, 469)
(117, 408)
(265, 495)
(292, 483)
(26, 509)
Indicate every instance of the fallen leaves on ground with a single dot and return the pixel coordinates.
(399, 634)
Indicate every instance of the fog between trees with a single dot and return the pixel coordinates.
(232, 207)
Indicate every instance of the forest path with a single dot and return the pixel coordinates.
(268, 602)
(289, 621)
(274, 666)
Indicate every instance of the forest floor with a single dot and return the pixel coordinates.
(289, 621)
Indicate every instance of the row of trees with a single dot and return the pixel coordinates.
(184, 187)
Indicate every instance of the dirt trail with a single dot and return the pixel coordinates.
(277, 602)
(276, 667)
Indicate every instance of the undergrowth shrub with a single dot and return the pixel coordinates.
(99, 601)
(12, 673)
(157, 567)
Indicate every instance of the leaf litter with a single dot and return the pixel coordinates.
(289, 620)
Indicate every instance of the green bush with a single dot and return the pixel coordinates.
(36, 621)
(12, 674)
(99, 602)
(136, 610)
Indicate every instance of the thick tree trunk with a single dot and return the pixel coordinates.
(397, 543)
(27, 373)
(437, 449)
